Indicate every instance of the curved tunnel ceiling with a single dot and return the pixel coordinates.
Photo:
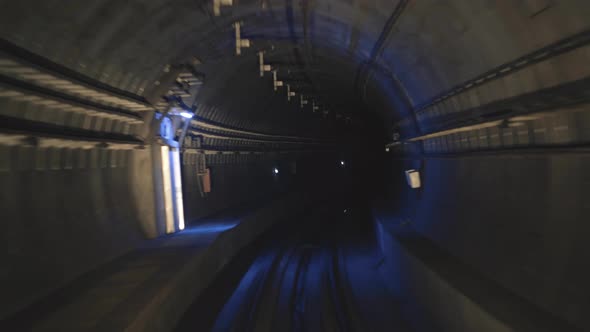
(392, 58)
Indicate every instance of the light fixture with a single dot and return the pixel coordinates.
(187, 114)
(183, 112)
(177, 188)
(276, 170)
(168, 190)
(342, 163)
(413, 178)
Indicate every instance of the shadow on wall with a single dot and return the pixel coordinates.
(66, 211)
(240, 185)
(518, 220)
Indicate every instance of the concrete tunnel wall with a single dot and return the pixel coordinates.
(236, 182)
(66, 211)
(517, 219)
(246, 182)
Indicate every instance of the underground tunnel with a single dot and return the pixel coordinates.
(308, 165)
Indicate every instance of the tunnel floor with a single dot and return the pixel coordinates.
(108, 297)
(318, 277)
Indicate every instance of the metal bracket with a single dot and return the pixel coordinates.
(302, 101)
(314, 107)
(240, 43)
(217, 4)
(290, 93)
(264, 67)
(276, 82)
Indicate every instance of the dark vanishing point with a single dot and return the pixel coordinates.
(295, 165)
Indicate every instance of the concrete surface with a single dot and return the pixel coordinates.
(439, 292)
(320, 278)
(65, 214)
(150, 288)
(431, 47)
(517, 219)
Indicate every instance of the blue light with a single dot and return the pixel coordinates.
(210, 227)
(187, 114)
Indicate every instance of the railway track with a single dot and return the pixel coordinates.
(304, 287)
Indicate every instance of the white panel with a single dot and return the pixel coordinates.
(178, 188)
(413, 178)
(166, 181)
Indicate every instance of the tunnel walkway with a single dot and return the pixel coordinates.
(113, 296)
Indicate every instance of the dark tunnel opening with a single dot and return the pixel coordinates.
(312, 165)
